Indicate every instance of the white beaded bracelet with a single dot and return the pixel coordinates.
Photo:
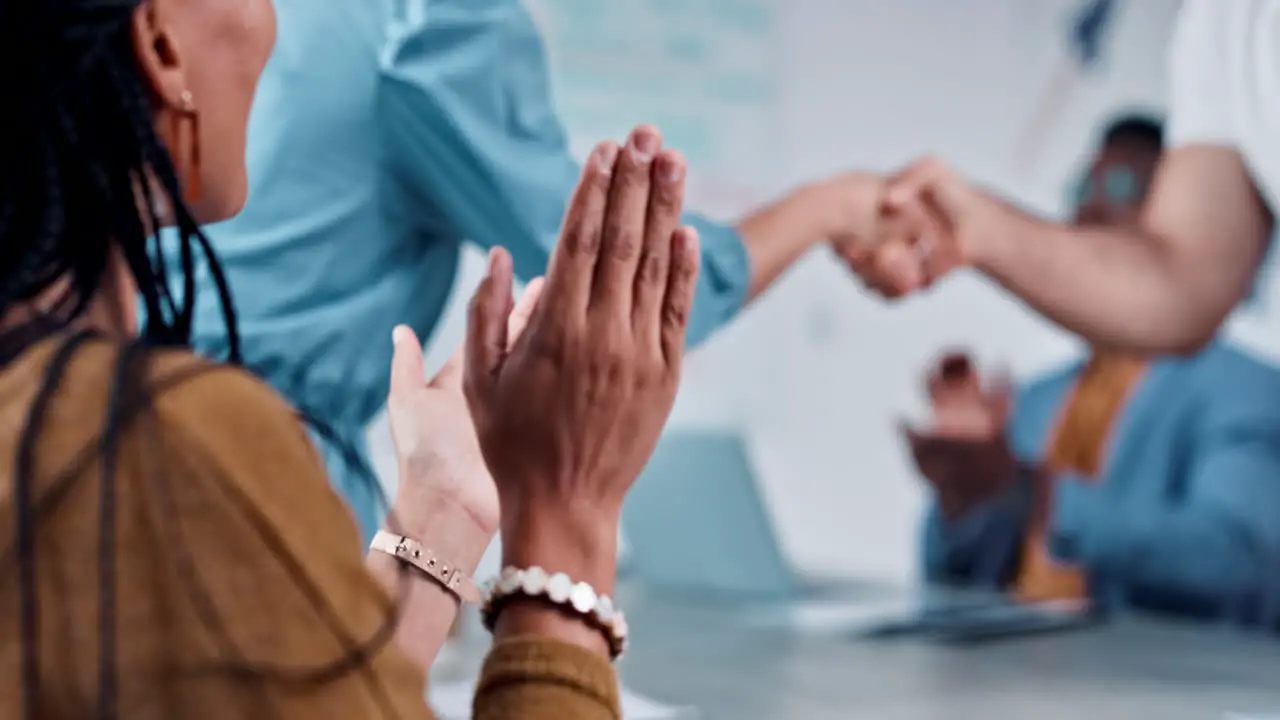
(560, 590)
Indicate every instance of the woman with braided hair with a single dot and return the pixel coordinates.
(169, 542)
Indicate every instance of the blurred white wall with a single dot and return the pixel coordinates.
(764, 95)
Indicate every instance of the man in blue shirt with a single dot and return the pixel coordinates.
(1144, 483)
(382, 138)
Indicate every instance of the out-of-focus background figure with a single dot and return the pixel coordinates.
(1145, 483)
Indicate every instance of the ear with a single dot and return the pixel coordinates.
(158, 53)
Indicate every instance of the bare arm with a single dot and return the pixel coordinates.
(778, 234)
(1163, 287)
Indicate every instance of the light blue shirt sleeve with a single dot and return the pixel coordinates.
(471, 132)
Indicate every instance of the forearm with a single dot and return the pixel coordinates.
(1197, 553)
(1116, 287)
(777, 235)
(429, 610)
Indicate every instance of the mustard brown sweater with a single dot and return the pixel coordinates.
(238, 571)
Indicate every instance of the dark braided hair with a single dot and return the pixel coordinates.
(82, 169)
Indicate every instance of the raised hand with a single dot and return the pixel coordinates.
(569, 415)
(963, 408)
(964, 455)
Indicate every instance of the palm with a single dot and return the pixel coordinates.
(435, 439)
(434, 434)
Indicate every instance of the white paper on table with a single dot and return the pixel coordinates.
(823, 617)
(452, 701)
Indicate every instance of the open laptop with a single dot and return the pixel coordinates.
(697, 524)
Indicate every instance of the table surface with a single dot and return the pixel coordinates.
(706, 655)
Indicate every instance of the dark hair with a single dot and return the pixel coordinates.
(1137, 128)
(85, 170)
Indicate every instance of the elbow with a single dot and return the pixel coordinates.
(1177, 333)
(1189, 326)
(1194, 342)
(1187, 330)
(1198, 323)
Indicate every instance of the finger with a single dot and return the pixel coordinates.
(406, 363)
(858, 257)
(519, 319)
(682, 280)
(898, 268)
(573, 262)
(665, 204)
(929, 238)
(952, 374)
(1000, 394)
(486, 342)
(955, 366)
(861, 263)
(624, 225)
(923, 177)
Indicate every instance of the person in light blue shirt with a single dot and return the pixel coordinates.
(383, 136)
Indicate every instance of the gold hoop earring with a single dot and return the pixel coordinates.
(187, 116)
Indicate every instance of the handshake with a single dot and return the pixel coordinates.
(905, 231)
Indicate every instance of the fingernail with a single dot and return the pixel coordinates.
(493, 260)
(684, 239)
(643, 144)
(399, 334)
(671, 168)
(605, 156)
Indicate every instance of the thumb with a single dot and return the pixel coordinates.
(929, 182)
(486, 344)
(406, 362)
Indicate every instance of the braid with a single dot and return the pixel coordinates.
(84, 171)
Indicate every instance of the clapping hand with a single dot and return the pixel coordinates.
(964, 455)
(443, 477)
(569, 414)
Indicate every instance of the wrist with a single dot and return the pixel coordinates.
(845, 206)
(442, 523)
(576, 539)
(527, 617)
(996, 228)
